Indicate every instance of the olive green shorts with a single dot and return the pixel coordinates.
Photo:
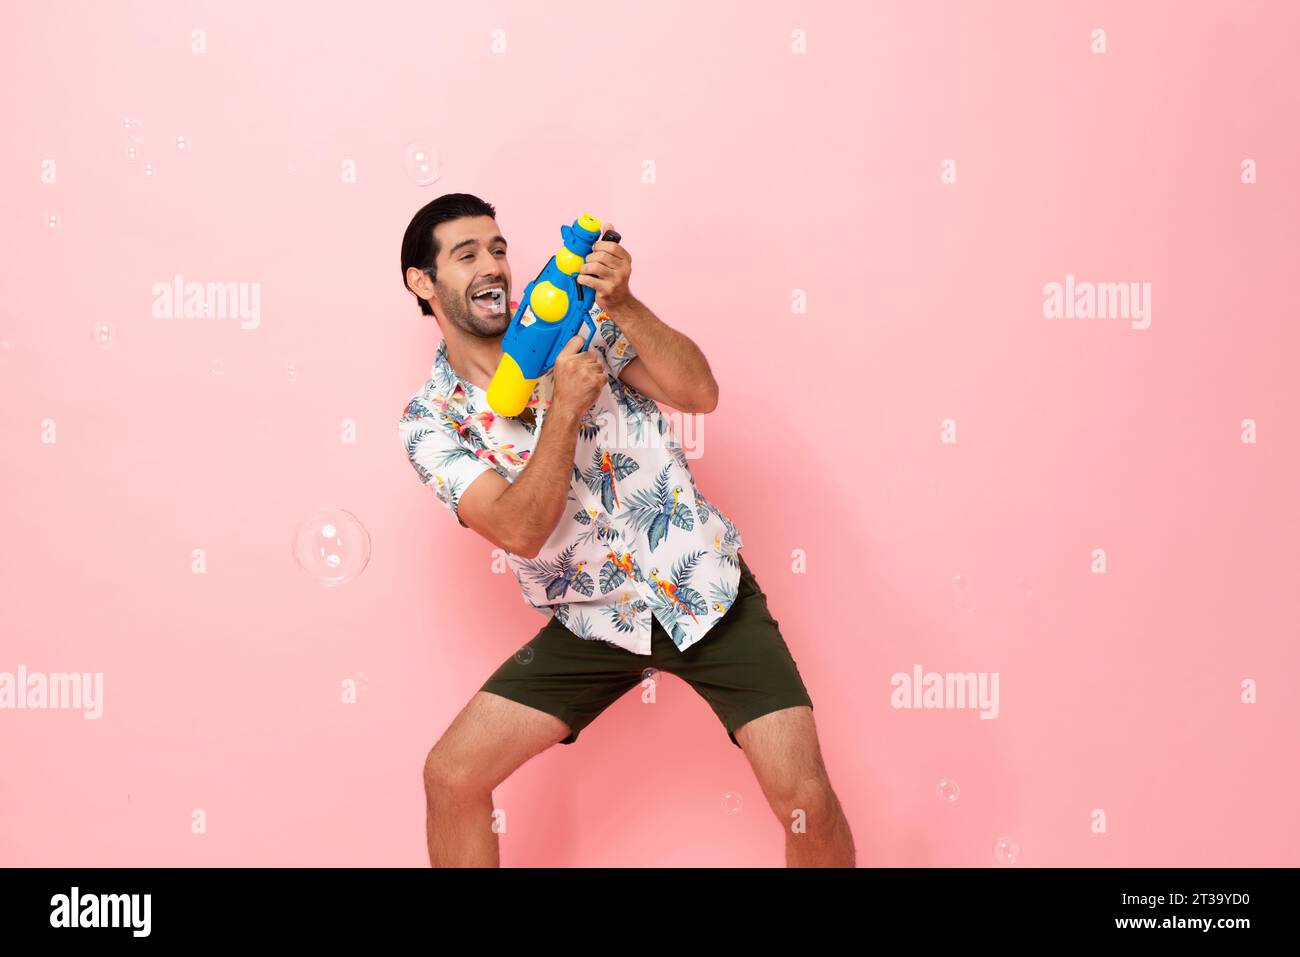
(741, 667)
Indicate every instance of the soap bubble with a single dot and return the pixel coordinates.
(4, 353)
(132, 153)
(1006, 851)
(962, 596)
(731, 802)
(524, 655)
(134, 129)
(292, 371)
(264, 429)
(947, 791)
(332, 546)
(105, 334)
(422, 164)
(217, 367)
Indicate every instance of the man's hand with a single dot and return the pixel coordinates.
(607, 269)
(578, 378)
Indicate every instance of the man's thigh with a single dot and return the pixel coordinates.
(489, 740)
(570, 678)
(742, 667)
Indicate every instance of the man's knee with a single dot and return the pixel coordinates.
(811, 796)
(445, 779)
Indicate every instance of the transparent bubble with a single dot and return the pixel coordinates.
(1006, 851)
(1024, 586)
(731, 802)
(180, 142)
(4, 353)
(649, 674)
(524, 655)
(962, 595)
(218, 367)
(148, 169)
(292, 371)
(134, 130)
(54, 221)
(105, 334)
(332, 546)
(947, 791)
(422, 164)
(264, 429)
(132, 153)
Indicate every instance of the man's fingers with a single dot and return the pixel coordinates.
(572, 346)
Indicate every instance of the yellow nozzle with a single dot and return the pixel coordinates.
(588, 221)
(508, 392)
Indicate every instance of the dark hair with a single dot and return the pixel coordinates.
(420, 247)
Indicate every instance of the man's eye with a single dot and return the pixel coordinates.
(467, 257)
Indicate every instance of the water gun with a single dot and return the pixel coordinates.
(553, 309)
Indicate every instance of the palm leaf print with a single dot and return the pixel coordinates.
(588, 428)
(559, 575)
(599, 528)
(469, 429)
(614, 571)
(625, 614)
(726, 545)
(632, 403)
(722, 597)
(416, 409)
(582, 628)
(674, 593)
(654, 510)
(677, 452)
(607, 470)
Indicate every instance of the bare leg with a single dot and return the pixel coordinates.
(783, 750)
(490, 738)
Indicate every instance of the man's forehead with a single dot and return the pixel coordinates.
(459, 233)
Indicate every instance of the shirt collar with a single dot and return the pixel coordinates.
(443, 372)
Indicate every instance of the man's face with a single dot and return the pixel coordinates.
(471, 260)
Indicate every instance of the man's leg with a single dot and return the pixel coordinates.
(490, 738)
(783, 750)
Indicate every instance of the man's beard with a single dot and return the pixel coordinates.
(462, 314)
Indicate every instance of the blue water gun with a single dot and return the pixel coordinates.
(553, 309)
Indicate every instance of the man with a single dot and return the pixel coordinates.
(593, 503)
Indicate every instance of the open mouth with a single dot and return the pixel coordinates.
(492, 301)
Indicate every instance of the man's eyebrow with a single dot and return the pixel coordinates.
(472, 242)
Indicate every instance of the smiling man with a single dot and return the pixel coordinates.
(593, 502)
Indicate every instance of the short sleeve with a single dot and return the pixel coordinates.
(614, 346)
(442, 459)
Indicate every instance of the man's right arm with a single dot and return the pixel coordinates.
(520, 516)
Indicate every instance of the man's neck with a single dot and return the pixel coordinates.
(474, 360)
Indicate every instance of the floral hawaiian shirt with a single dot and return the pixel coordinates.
(637, 538)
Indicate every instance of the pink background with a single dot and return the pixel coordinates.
(775, 171)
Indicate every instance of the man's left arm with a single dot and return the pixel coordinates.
(668, 366)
